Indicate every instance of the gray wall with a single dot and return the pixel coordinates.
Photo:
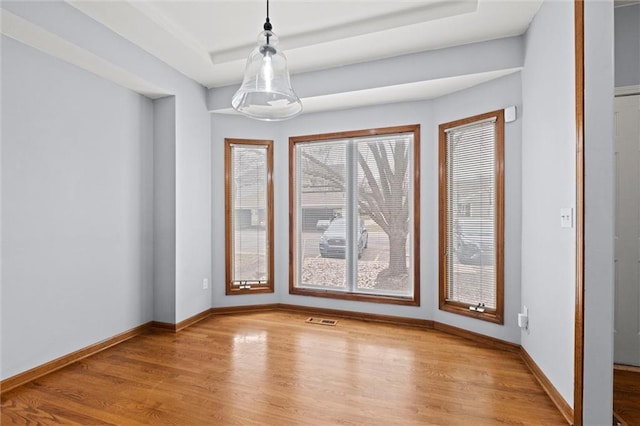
(177, 297)
(548, 184)
(77, 215)
(627, 45)
(599, 212)
(244, 128)
(193, 201)
(504, 92)
(164, 209)
(192, 147)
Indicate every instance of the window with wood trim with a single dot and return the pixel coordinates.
(471, 176)
(354, 215)
(249, 216)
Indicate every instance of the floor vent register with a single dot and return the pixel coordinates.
(322, 321)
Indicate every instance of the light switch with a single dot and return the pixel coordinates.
(566, 217)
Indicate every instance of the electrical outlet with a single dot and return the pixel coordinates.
(566, 217)
(523, 319)
(205, 283)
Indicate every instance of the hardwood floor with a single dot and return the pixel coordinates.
(626, 395)
(272, 368)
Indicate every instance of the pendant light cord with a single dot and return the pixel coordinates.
(267, 24)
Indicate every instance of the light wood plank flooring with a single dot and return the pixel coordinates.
(272, 368)
(626, 394)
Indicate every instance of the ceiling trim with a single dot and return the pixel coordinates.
(408, 92)
(32, 35)
(141, 24)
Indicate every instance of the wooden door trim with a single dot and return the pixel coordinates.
(578, 382)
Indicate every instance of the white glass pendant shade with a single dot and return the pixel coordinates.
(266, 93)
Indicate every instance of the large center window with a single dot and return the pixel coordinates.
(354, 215)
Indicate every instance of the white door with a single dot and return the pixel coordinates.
(627, 243)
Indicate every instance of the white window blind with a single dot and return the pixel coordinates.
(248, 204)
(385, 195)
(471, 204)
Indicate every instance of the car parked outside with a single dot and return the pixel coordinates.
(333, 239)
(474, 242)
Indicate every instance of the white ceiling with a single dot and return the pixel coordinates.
(209, 41)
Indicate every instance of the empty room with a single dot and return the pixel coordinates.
(284, 212)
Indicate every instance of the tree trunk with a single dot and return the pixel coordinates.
(396, 276)
(397, 254)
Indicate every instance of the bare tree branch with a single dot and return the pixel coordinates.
(373, 184)
(384, 169)
(326, 172)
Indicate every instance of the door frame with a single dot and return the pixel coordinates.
(578, 381)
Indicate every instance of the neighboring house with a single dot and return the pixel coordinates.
(320, 206)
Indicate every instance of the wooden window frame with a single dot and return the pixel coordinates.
(492, 315)
(269, 286)
(395, 300)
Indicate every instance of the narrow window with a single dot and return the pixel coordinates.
(249, 216)
(471, 216)
(354, 215)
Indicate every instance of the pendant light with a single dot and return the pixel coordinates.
(266, 93)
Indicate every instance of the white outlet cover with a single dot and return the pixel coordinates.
(523, 321)
(566, 217)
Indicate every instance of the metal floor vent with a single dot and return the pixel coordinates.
(321, 321)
